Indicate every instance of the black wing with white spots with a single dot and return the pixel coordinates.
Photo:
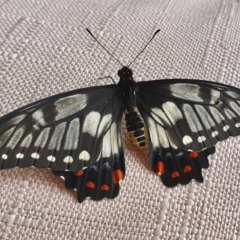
(184, 120)
(76, 134)
(101, 180)
(193, 114)
(68, 131)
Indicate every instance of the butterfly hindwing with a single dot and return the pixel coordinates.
(173, 164)
(101, 180)
(178, 166)
(184, 121)
(67, 131)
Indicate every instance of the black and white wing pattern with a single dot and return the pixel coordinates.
(184, 120)
(68, 132)
(101, 180)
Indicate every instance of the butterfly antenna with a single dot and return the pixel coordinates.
(145, 47)
(103, 46)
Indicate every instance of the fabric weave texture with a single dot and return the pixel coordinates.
(45, 50)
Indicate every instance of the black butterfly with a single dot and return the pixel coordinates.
(78, 134)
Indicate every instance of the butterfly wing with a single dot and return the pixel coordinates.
(185, 119)
(179, 166)
(99, 181)
(69, 131)
(76, 134)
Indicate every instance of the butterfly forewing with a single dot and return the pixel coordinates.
(66, 131)
(193, 114)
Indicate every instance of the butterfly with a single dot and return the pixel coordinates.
(78, 134)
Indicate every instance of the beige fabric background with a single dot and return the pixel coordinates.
(44, 50)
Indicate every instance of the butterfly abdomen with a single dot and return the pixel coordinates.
(135, 128)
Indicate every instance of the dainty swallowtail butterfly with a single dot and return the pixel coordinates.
(77, 134)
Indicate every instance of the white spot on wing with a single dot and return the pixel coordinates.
(70, 105)
(233, 94)
(237, 125)
(192, 118)
(172, 111)
(68, 159)
(229, 113)
(62, 177)
(5, 136)
(158, 114)
(42, 138)
(56, 140)
(201, 139)
(187, 140)
(215, 96)
(157, 134)
(35, 155)
(27, 141)
(51, 158)
(114, 139)
(216, 114)
(162, 137)
(106, 145)
(38, 116)
(119, 139)
(205, 117)
(4, 156)
(214, 133)
(15, 138)
(20, 156)
(111, 141)
(72, 137)
(186, 91)
(235, 107)
(105, 123)
(91, 123)
(225, 128)
(84, 155)
(17, 119)
(153, 133)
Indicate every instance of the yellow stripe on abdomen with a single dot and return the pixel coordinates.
(135, 128)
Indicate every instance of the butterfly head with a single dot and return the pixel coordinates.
(125, 74)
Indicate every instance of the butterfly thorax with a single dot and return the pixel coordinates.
(128, 89)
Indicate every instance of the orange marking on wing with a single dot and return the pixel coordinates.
(159, 168)
(105, 187)
(79, 173)
(117, 176)
(90, 184)
(193, 154)
(175, 174)
(187, 168)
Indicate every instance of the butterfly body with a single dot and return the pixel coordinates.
(128, 89)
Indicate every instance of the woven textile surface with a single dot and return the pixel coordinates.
(45, 50)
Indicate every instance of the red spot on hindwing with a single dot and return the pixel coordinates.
(105, 187)
(90, 185)
(79, 173)
(175, 174)
(187, 168)
(117, 176)
(193, 154)
(159, 168)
